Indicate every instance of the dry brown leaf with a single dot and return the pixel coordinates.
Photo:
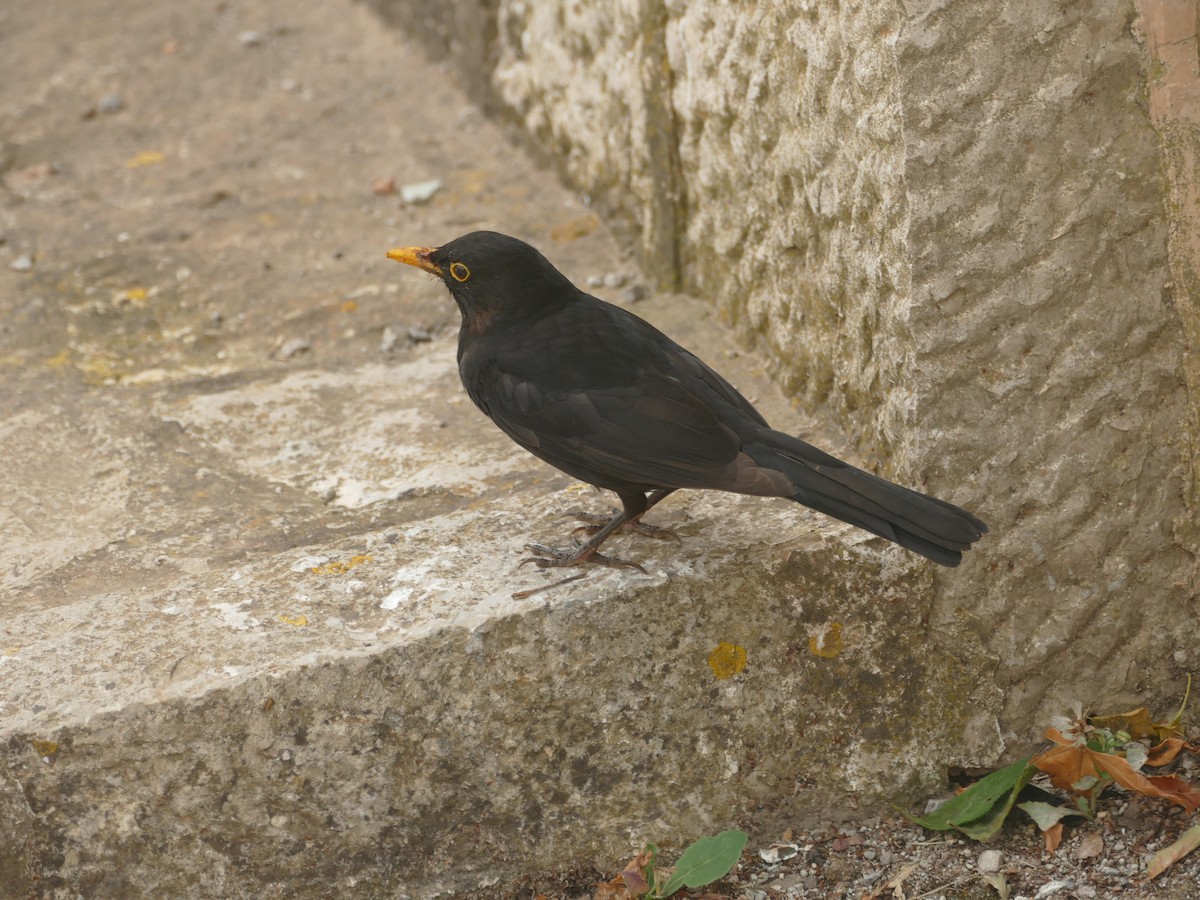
(1068, 764)
(1053, 836)
(1137, 723)
(1168, 856)
(1164, 752)
(897, 883)
(611, 890)
(1091, 845)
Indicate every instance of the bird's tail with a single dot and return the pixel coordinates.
(937, 530)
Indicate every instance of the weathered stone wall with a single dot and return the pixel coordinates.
(1047, 344)
(947, 224)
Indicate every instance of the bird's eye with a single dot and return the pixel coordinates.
(459, 272)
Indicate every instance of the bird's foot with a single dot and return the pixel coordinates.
(553, 557)
(593, 522)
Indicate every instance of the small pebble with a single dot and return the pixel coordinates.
(294, 347)
(22, 263)
(110, 103)
(614, 280)
(1052, 887)
(420, 191)
(595, 281)
(250, 38)
(990, 860)
(419, 335)
(777, 853)
(634, 293)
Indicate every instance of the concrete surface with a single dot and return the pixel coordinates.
(256, 574)
(946, 223)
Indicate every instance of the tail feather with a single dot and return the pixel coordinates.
(937, 530)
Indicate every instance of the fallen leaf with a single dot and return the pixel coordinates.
(1080, 770)
(998, 882)
(1168, 856)
(1164, 753)
(981, 809)
(1053, 837)
(1140, 724)
(706, 860)
(897, 883)
(1091, 845)
(611, 890)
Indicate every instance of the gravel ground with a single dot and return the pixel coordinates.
(889, 857)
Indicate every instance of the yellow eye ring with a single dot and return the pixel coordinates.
(459, 272)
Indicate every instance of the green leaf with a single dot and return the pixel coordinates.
(980, 810)
(705, 861)
(651, 852)
(1047, 815)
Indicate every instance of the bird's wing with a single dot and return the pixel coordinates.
(609, 399)
(652, 432)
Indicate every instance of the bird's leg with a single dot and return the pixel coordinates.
(593, 522)
(635, 506)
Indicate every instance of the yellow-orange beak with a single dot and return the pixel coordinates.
(416, 256)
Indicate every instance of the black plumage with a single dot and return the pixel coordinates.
(607, 398)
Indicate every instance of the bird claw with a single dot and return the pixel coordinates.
(554, 557)
(593, 522)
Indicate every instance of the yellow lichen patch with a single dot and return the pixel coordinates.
(11, 651)
(727, 660)
(145, 158)
(349, 306)
(339, 566)
(298, 621)
(101, 368)
(44, 748)
(827, 642)
(60, 359)
(134, 296)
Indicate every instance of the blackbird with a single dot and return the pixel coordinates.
(609, 399)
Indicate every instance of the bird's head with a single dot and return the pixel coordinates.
(488, 273)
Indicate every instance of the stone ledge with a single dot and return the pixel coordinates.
(464, 736)
(298, 659)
